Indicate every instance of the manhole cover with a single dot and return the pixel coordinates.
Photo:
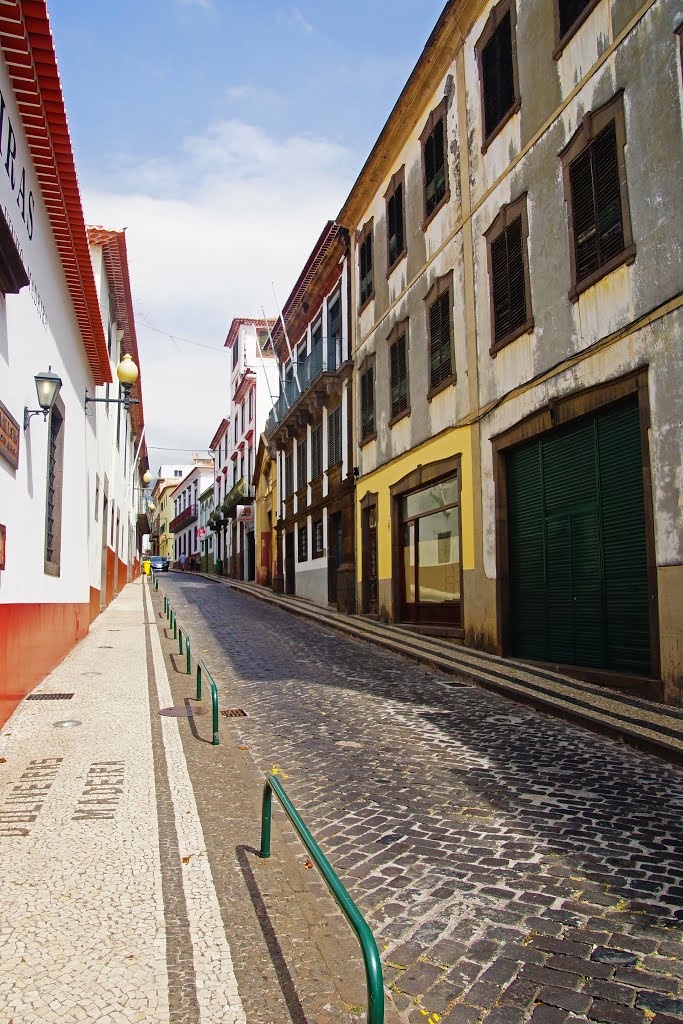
(49, 696)
(233, 713)
(183, 712)
(67, 723)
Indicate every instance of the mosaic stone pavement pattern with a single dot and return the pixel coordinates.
(513, 866)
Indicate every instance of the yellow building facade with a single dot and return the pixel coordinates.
(265, 485)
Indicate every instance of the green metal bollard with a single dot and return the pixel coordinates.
(180, 640)
(265, 822)
(175, 626)
(165, 604)
(199, 682)
(214, 705)
(187, 654)
(156, 583)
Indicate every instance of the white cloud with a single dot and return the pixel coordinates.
(208, 230)
(302, 20)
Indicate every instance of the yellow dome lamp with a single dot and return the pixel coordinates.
(127, 373)
(147, 477)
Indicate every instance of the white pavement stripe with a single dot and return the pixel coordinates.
(217, 994)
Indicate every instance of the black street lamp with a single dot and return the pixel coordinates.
(47, 386)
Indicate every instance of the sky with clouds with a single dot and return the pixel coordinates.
(222, 134)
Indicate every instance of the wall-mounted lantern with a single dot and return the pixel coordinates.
(47, 386)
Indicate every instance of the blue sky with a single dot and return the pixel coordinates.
(222, 135)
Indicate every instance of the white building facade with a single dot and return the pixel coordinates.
(184, 524)
(253, 380)
(56, 539)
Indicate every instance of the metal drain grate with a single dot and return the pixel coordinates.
(233, 713)
(49, 696)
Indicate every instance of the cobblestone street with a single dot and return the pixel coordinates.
(510, 864)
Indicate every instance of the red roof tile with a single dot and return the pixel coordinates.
(26, 42)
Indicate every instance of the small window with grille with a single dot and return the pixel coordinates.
(596, 192)
(53, 497)
(497, 58)
(507, 248)
(302, 542)
(434, 162)
(301, 464)
(318, 548)
(367, 400)
(316, 451)
(394, 197)
(366, 287)
(439, 324)
(334, 448)
(398, 373)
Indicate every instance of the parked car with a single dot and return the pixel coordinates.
(159, 563)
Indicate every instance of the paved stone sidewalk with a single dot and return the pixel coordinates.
(513, 866)
(108, 907)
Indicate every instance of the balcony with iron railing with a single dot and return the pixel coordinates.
(314, 374)
(184, 518)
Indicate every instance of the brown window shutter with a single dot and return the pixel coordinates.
(440, 339)
(608, 194)
(399, 376)
(596, 204)
(498, 75)
(507, 272)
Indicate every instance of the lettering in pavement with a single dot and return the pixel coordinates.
(102, 791)
(26, 798)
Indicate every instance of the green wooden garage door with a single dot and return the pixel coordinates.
(578, 568)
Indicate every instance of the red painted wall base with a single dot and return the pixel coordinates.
(34, 638)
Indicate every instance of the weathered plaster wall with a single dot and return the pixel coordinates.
(431, 253)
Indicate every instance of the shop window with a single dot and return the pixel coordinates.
(316, 451)
(441, 354)
(497, 59)
(301, 464)
(334, 449)
(367, 400)
(429, 543)
(366, 281)
(569, 17)
(398, 372)
(302, 542)
(53, 503)
(508, 261)
(434, 162)
(318, 549)
(394, 198)
(596, 192)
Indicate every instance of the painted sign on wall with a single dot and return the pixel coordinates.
(9, 437)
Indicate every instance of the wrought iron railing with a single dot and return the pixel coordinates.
(184, 518)
(308, 371)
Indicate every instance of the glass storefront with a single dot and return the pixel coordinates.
(430, 548)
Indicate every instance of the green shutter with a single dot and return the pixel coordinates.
(577, 545)
(527, 554)
(623, 538)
